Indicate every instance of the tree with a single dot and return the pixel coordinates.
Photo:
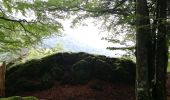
(143, 36)
(2, 79)
(152, 52)
(19, 29)
(24, 24)
(161, 51)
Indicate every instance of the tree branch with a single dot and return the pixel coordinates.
(114, 10)
(123, 1)
(12, 20)
(121, 48)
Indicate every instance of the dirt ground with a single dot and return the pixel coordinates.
(94, 90)
(168, 86)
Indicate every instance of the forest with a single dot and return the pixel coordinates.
(29, 72)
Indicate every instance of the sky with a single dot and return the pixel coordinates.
(83, 39)
(80, 38)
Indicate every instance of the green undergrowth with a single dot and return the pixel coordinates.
(67, 68)
(19, 98)
(168, 68)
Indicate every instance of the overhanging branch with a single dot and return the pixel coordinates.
(12, 20)
(114, 10)
(121, 48)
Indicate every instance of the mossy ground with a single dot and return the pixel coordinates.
(19, 98)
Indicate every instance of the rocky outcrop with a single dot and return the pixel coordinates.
(67, 68)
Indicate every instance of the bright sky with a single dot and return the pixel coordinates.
(90, 34)
(84, 39)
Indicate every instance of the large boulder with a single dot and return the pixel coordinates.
(103, 70)
(82, 71)
(125, 71)
(67, 68)
(33, 75)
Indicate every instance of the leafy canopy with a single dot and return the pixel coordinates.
(24, 23)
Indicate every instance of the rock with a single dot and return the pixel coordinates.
(57, 72)
(47, 81)
(82, 71)
(67, 68)
(125, 71)
(102, 70)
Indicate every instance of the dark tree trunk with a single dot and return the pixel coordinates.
(161, 52)
(143, 43)
(152, 70)
(152, 51)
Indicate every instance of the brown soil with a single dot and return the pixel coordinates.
(168, 86)
(94, 90)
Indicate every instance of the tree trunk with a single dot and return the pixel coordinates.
(143, 42)
(161, 52)
(2, 79)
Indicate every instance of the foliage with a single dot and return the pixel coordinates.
(19, 98)
(37, 53)
(23, 23)
(118, 17)
(168, 68)
(115, 16)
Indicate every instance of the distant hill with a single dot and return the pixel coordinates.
(70, 44)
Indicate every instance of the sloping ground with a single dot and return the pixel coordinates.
(168, 86)
(93, 90)
(73, 76)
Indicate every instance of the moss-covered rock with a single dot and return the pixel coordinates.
(35, 74)
(67, 68)
(57, 72)
(47, 81)
(82, 71)
(103, 70)
(125, 71)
